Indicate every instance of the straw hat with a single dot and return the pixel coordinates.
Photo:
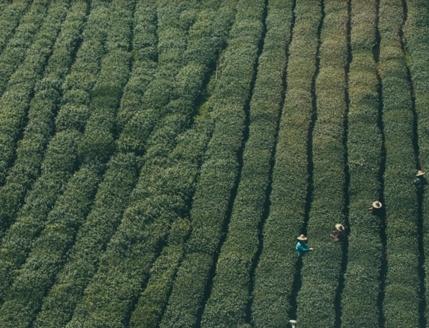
(339, 226)
(377, 204)
(302, 237)
(420, 173)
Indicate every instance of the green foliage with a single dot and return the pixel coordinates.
(362, 285)
(401, 293)
(417, 37)
(10, 16)
(162, 194)
(274, 273)
(16, 49)
(15, 101)
(60, 161)
(220, 167)
(230, 294)
(316, 299)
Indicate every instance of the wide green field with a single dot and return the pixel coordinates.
(158, 159)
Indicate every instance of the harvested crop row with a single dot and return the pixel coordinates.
(15, 51)
(10, 17)
(159, 189)
(322, 268)
(401, 302)
(209, 208)
(417, 36)
(230, 296)
(113, 193)
(38, 273)
(274, 276)
(41, 115)
(15, 101)
(61, 156)
(362, 286)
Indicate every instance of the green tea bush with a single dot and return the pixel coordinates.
(16, 49)
(401, 300)
(220, 167)
(161, 194)
(417, 38)
(230, 296)
(359, 302)
(322, 268)
(60, 161)
(10, 16)
(274, 272)
(15, 101)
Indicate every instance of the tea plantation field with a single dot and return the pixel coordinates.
(158, 159)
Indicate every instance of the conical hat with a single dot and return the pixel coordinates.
(420, 173)
(302, 237)
(377, 204)
(339, 226)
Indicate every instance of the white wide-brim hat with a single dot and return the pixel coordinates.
(339, 226)
(302, 237)
(420, 173)
(377, 204)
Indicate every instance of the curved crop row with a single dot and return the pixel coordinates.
(15, 101)
(159, 189)
(321, 269)
(220, 169)
(189, 153)
(417, 36)
(16, 49)
(113, 192)
(171, 45)
(229, 299)
(362, 285)
(41, 114)
(61, 157)
(401, 302)
(30, 283)
(48, 251)
(274, 278)
(10, 17)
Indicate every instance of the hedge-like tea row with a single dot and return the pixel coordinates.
(359, 302)
(417, 37)
(220, 169)
(15, 101)
(61, 157)
(32, 280)
(10, 16)
(274, 272)
(163, 192)
(401, 302)
(321, 269)
(229, 299)
(189, 153)
(43, 107)
(15, 51)
(38, 273)
(112, 195)
(171, 45)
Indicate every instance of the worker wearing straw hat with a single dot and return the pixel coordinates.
(376, 206)
(420, 180)
(301, 246)
(338, 232)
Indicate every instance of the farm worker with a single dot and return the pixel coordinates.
(338, 233)
(376, 206)
(301, 246)
(420, 180)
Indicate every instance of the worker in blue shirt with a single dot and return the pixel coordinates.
(301, 246)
